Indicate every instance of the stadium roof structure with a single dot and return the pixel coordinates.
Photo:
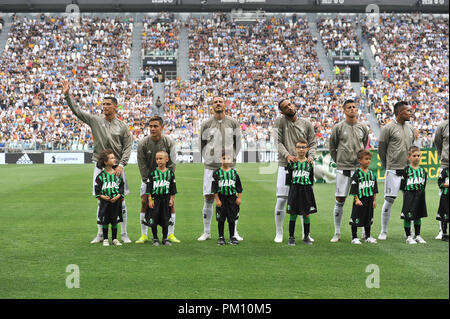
(428, 6)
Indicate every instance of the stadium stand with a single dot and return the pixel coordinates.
(412, 53)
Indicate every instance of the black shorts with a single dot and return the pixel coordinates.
(414, 205)
(229, 209)
(442, 214)
(110, 213)
(301, 200)
(362, 216)
(159, 214)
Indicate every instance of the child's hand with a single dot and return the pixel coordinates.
(358, 203)
(445, 185)
(238, 201)
(218, 203)
(374, 204)
(151, 203)
(104, 197)
(113, 200)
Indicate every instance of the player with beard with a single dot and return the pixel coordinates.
(289, 129)
(220, 132)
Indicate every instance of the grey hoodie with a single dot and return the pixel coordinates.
(441, 142)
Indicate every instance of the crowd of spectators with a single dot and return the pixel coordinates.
(92, 53)
(253, 66)
(338, 35)
(412, 53)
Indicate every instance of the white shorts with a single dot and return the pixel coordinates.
(343, 183)
(282, 188)
(207, 181)
(392, 184)
(143, 188)
(99, 170)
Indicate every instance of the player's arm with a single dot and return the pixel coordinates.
(312, 143)
(237, 136)
(83, 116)
(437, 142)
(127, 142)
(382, 145)
(279, 130)
(141, 159)
(172, 164)
(366, 138)
(334, 143)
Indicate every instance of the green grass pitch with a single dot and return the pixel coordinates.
(48, 218)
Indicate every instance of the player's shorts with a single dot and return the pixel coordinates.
(207, 181)
(143, 188)
(282, 188)
(343, 182)
(392, 183)
(99, 170)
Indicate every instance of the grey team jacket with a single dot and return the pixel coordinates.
(394, 142)
(210, 144)
(441, 142)
(115, 135)
(146, 154)
(288, 133)
(345, 142)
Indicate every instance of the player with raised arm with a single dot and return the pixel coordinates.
(109, 133)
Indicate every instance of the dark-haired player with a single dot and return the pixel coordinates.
(147, 149)
(109, 133)
(347, 138)
(396, 138)
(289, 129)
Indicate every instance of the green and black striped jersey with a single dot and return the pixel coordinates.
(226, 182)
(413, 179)
(443, 179)
(300, 173)
(108, 185)
(161, 183)
(364, 184)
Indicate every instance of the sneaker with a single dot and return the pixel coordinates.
(233, 241)
(419, 239)
(221, 241)
(125, 238)
(166, 242)
(204, 236)
(336, 238)
(382, 236)
(143, 239)
(371, 240)
(236, 235)
(439, 236)
(356, 241)
(308, 240)
(444, 237)
(291, 241)
(173, 239)
(105, 242)
(410, 240)
(278, 238)
(97, 239)
(156, 242)
(116, 242)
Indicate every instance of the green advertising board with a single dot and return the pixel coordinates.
(325, 168)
